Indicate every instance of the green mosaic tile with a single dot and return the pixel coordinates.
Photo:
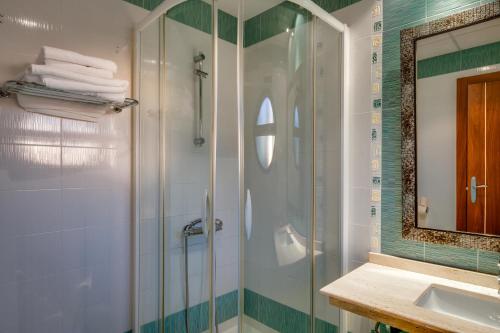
(481, 56)
(392, 242)
(295, 321)
(251, 304)
(252, 34)
(322, 326)
(487, 262)
(451, 256)
(228, 27)
(446, 63)
(151, 4)
(152, 327)
(139, 3)
(391, 149)
(271, 313)
(226, 308)
(284, 16)
(194, 13)
(462, 60)
(453, 11)
(401, 12)
(198, 14)
(333, 5)
(280, 18)
(280, 317)
(447, 7)
(206, 17)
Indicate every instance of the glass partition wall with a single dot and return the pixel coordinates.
(238, 167)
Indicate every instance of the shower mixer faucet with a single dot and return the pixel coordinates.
(193, 228)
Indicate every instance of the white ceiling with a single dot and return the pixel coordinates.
(461, 39)
(252, 7)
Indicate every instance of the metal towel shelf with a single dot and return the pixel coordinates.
(34, 89)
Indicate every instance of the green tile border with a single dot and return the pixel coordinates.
(198, 15)
(398, 15)
(226, 308)
(276, 20)
(475, 57)
(280, 317)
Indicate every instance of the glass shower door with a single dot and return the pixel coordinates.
(188, 171)
(292, 168)
(328, 170)
(187, 131)
(278, 109)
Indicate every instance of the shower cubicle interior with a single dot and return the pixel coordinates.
(239, 131)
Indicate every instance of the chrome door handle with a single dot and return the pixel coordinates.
(474, 187)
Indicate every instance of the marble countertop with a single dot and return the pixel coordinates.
(386, 289)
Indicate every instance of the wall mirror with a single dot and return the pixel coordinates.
(450, 73)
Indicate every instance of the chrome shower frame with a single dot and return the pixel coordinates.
(157, 13)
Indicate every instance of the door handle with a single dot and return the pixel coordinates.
(205, 213)
(248, 215)
(473, 189)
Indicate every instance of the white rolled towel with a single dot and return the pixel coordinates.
(90, 71)
(53, 53)
(43, 70)
(70, 85)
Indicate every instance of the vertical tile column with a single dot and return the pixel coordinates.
(376, 124)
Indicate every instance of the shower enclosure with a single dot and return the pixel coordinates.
(239, 165)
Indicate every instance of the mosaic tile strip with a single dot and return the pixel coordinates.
(280, 317)
(284, 17)
(376, 124)
(226, 308)
(276, 20)
(198, 14)
(475, 57)
(333, 5)
(399, 15)
(146, 4)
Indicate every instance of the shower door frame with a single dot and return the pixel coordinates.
(162, 9)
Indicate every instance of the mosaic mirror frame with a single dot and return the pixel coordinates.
(409, 38)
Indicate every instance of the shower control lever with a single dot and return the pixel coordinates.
(192, 229)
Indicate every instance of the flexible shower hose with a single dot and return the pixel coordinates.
(186, 281)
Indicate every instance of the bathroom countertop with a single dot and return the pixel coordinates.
(386, 289)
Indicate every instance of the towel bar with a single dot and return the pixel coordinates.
(34, 89)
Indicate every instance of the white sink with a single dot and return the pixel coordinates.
(477, 308)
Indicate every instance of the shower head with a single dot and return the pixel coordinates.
(199, 58)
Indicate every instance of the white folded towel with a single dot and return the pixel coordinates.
(90, 71)
(53, 53)
(70, 85)
(43, 70)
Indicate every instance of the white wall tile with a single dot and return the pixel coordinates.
(65, 229)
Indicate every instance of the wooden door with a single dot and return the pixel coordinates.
(493, 157)
(478, 154)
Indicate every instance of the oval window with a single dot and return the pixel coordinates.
(265, 134)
